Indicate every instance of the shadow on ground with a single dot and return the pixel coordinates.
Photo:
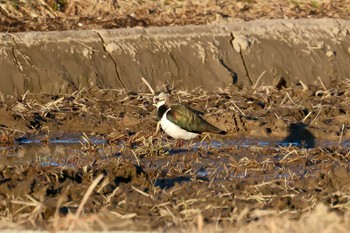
(299, 135)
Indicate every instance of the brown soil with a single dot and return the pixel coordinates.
(267, 53)
(154, 182)
(48, 15)
(245, 181)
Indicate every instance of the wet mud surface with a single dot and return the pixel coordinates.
(91, 160)
(287, 150)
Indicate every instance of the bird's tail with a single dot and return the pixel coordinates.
(213, 129)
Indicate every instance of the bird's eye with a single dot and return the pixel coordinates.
(156, 99)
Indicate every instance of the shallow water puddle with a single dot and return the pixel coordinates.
(64, 139)
(248, 142)
(208, 160)
(48, 152)
(25, 148)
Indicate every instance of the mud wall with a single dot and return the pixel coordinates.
(211, 56)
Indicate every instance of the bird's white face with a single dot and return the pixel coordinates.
(160, 99)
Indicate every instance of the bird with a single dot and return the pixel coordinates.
(180, 121)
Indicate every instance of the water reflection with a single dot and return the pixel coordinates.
(65, 139)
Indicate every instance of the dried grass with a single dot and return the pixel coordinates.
(321, 219)
(244, 188)
(62, 15)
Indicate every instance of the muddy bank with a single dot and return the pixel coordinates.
(241, 54)
(286, 153)
(226, 187)
(77, 142)
(302, 114)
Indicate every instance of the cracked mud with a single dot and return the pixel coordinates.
(114, 61)
(273, 53)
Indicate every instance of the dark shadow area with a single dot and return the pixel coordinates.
(282, 83)
(166, 183)
(178, 151)
(233, 74)
(299, 135)
(23, 140)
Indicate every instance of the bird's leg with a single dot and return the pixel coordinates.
(157, 129)
(179, 143)
(182, 141)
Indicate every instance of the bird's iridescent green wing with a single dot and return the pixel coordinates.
(190, 120)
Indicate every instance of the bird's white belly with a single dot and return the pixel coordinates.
(175, 131)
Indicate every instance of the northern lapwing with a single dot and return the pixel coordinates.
(181, 122)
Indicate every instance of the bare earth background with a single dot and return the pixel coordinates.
(122, 176)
